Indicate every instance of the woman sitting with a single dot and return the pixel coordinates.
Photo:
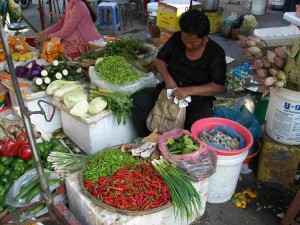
(190, 62)
(75, 29)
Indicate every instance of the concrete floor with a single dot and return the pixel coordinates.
(225, 213)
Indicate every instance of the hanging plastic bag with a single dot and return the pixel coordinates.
(198, 165)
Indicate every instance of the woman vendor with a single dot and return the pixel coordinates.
(75, 29)
(190, 62)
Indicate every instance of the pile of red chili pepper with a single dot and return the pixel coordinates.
(135, 187)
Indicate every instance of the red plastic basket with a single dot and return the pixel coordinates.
(209, 123)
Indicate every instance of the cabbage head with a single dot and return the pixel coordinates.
(70, 98)
(97, 105)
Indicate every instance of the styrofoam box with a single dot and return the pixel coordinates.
(279, 36)
(94, 133)
(31, 102)
(90, 214)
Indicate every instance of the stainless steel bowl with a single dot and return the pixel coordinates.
(251, 84)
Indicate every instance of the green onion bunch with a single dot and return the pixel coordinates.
(184, 197)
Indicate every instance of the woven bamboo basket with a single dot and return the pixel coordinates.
(114, 209)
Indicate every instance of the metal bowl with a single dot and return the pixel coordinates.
(251, 84)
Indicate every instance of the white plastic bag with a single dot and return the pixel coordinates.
(146, 81)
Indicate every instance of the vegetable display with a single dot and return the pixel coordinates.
(51, 49)
(106, 162)
(119, 103)
(135, 187)
(115, 70)
(185, 198)
(129, 48)
(182, 145)
(56, 70)
(267, 63)
(29, 71)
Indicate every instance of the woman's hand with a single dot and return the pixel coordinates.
(181, 93)
(41, 37)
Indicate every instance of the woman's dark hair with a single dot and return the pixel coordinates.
(194, 22)
(93, 14)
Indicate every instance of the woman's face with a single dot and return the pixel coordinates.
(192, 41)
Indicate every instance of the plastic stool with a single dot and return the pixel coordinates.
(115, 15)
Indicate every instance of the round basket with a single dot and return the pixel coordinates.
(114, 209)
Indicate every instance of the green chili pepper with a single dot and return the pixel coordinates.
(6, 160)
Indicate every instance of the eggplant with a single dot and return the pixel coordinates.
(21, 71)
(30, 64)
(34, 72)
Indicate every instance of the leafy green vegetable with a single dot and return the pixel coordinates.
(128, 47)
(115, 70)
(118, 102)
(182, 145)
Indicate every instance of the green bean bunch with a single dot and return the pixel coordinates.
(116, 70)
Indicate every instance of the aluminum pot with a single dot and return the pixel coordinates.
(209, 5)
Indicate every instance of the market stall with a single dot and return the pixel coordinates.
(173, 174)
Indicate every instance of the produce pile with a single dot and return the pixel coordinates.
(51, 49)
(16, 156)
(182, 145)
(135, 187)
(130, 48)
(115, 70)
(19, 48)
(56, 70)
(268, 63)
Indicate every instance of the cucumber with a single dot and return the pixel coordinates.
(44, 73)
(55, 63)
(69, 78)
(30, 187)
(35, 209)
(65, 72)
(37, 190)
(47, 80)
(43, 87)
(58, 75)
(77, 76)
(37, 81)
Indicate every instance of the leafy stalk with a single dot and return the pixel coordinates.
(119, 103)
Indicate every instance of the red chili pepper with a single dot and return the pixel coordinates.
(10, 147)
(22, 138)
(24, 152)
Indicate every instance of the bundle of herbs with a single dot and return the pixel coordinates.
(129, 47)
(182, 145)
(184, 197)
(118, 102)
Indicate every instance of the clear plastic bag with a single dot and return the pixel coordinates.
(146, 81)
(198, 165)
(22, 182)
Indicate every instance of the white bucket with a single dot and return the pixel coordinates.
(259, 7)
(152, 8)
(223, 182)
(283, 116)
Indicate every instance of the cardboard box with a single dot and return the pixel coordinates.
(278, 163)
(216, 20)
(165, 35)
(168, 13)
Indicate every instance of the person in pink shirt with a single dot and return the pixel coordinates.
(75, 29)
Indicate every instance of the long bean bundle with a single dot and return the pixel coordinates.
(184, 197)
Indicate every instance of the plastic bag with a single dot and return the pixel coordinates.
(146, 81)
(22, 182)
(243, 117)
(228, 130)
(198, 165)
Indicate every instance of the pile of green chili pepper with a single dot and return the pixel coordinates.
(135, 187)
(106, 162)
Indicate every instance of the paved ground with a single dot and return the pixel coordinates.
(272, 199)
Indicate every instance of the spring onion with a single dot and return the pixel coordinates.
(184, 197)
